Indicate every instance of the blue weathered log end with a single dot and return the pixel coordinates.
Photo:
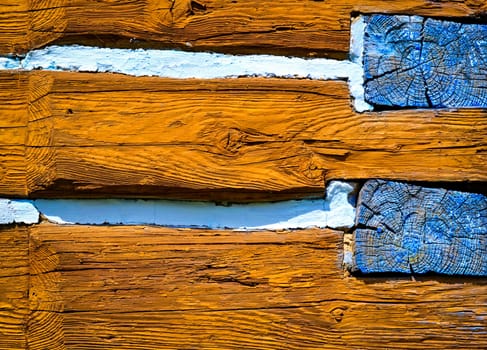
(406, 228)
(412, 61)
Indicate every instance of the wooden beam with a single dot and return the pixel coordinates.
(14, 28)
(14, 115)
(311, 28)
(14, 287)
(13, 171)
(239, 139)
(161, 288)
(412, 229)
(412, 61)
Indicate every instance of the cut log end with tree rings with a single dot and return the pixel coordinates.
(413, 61)
(406, 228)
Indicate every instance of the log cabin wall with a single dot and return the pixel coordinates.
(109, 136)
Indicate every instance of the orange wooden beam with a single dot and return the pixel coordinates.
(311, 28)
(238, 139)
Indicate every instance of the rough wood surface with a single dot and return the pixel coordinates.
(412, 229)
(292, 27)
(154, 288)
(412, 61)
(14, 115)
(14, 287)
(243, 139)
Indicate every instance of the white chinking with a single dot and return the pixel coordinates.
(335, 211)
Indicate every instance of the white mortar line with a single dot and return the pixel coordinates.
(18, 211)
(336, 211)
(180, 64)
(184, 65)
(10, 63)
(356, 81)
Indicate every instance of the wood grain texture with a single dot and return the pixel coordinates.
(315, 28)
(14, 115)
(13, 171)
(412, 61)
(239, 139)
(413, 229)
(155, 288)
(14, 287)
(14, 28)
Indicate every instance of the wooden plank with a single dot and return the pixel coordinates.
(243, 139)
(13, 171)
(14, 287)
(413, 61)
(413, 229)
(14, 28)
(158, 288)
(14, 89)
(311, 28)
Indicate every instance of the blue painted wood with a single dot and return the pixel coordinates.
(412, 61)
(411, 229)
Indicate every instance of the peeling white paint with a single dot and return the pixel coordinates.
(336, 211)
(202, 65)
(17, 211)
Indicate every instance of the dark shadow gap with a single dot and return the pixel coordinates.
(123, 42)
(374, 278)
(479, 17)
(67, 189)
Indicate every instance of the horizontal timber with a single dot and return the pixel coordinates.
(98, 135)
(14, 287)
(157, 288)
(307, 28)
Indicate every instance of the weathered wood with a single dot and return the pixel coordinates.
(412, 229)
(13, 170)
(14, 287)
(239, 139)
(292, 27)
(14, 28)
(14, 114)
(412, 61)
(157, 288)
